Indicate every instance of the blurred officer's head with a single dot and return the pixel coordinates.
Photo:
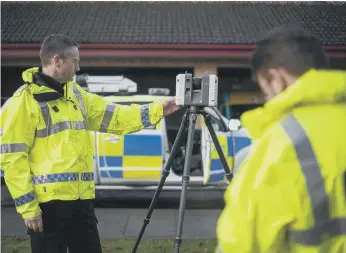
(283, 55)
(60, 57)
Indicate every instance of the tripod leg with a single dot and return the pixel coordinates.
(228, 172)
(165, 173)
(186, 177)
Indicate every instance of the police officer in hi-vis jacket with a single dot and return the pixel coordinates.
(288, 195)
(46, 150)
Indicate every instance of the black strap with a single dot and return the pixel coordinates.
(48, 96)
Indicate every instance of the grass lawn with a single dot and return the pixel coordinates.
(22, 245)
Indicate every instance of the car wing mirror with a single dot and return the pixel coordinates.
(234, 125)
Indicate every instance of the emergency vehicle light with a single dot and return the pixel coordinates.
(159, 91)
(107, 84)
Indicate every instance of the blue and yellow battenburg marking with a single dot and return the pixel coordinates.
(217, 172)
(133, 156)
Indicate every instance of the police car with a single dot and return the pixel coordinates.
(136, 160)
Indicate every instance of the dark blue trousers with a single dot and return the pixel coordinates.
(67, 224)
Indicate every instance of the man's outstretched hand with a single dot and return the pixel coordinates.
(170, 107)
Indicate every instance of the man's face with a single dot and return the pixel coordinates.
(272, 82)
(68, 66)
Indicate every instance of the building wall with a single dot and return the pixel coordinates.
(11, 78)
(230, 79)
(159, 75)
(234, 77)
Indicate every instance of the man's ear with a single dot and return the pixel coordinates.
(287, 77)
(276, 79)
(273, 73)
(56, 60)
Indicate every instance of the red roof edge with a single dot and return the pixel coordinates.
(156, 50)
(155, 46)
(138, 46)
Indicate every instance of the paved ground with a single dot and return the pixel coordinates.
(118, 220)
(123, 222)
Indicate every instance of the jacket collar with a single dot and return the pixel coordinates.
(312, 88)
(43, 80)
(43, 87)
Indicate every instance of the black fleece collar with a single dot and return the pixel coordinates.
(41, 79)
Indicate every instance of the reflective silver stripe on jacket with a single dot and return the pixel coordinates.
(145, 115)
(107, 117)
(62, 177)
(54, 178)
(80, 101)
(324, 226)
(58, 127)
(316, 234)
(13, 148)
(87, 176)
(24, 199)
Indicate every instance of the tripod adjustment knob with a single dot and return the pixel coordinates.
(229, 176)
(146, 221)
(185, 179)
(165, 173)
(178, 241)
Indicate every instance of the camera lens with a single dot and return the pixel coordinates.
(196, 83)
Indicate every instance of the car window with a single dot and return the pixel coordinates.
(174, 120)
(217, 122)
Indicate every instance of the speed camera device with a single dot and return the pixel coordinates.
(194, 91)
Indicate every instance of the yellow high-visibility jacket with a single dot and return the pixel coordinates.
(46, 148)
(289, 193)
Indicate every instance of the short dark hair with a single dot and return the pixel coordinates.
(289, 47)
(56, 44)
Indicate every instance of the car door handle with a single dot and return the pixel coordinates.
(112, 139)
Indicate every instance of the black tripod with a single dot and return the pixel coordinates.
(191, 116)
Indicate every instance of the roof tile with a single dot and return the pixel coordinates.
(168, 22)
